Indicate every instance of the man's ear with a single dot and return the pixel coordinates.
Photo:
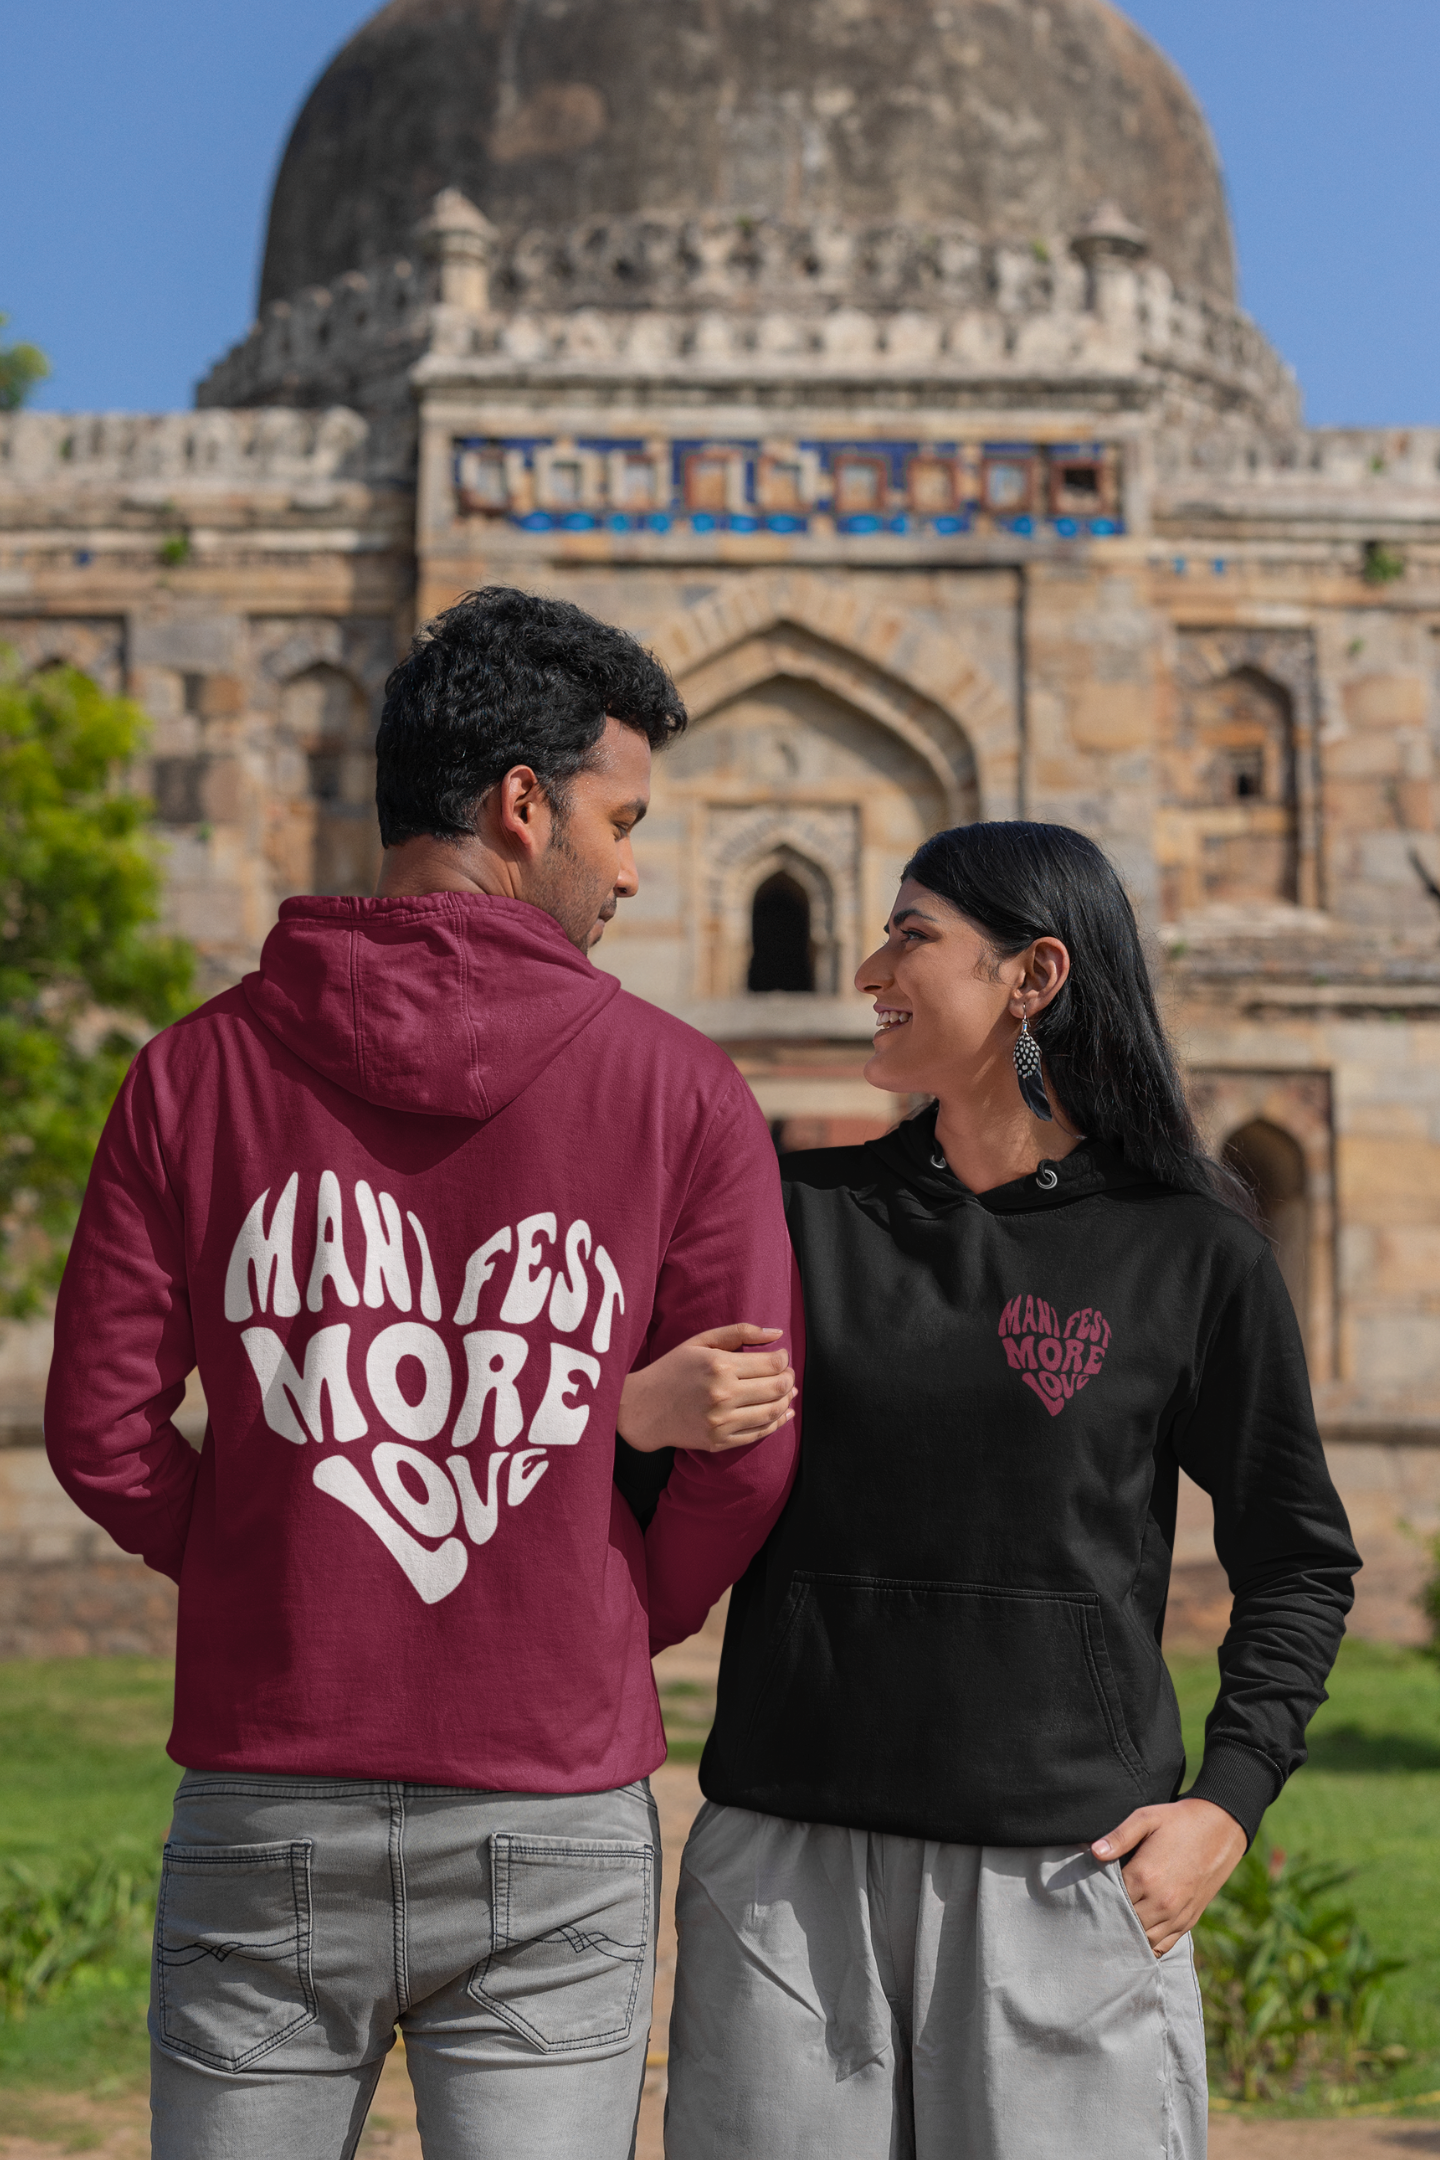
(518, 809)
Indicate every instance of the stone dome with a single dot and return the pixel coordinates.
(1018, 118)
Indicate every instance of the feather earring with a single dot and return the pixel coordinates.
(1027, 1072)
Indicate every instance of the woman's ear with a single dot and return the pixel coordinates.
(1047, 969)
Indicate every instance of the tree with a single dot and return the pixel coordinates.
(21, 367)
(84, 978)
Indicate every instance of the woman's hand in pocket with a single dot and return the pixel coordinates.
(709, 1393)
(1181, 1853)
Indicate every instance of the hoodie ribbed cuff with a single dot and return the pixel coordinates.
(1241, 1782)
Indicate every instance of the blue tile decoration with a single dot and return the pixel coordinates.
(858, 487)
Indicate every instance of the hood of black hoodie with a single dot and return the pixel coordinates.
(447, 1004)
(911, 1152)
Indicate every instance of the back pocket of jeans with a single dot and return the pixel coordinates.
(570, 1936)
(232, 1950)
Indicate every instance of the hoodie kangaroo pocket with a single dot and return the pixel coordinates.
(1001, 1699)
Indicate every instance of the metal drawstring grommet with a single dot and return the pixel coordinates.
(1047, 1177)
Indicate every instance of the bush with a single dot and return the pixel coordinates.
(1429, 1602)
(54, 1929)
(1289, 1980)
(84, 975)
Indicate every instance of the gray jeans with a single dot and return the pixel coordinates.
(850, 1995)
(510, 1936)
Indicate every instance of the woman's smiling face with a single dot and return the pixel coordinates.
(943, 1014)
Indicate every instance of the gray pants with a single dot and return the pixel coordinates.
(846, 1995)
(510, 1936)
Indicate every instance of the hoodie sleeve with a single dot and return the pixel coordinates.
(123, 1344)
(728, 1259)
(1250, 1440)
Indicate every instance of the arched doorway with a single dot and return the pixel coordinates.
(782, 954)
(1272, 1164)
(328, 754)
(1230, 798)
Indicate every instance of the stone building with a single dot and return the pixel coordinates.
(879, 362)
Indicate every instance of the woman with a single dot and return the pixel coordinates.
(938, 1900)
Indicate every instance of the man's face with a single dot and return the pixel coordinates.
(589, 865)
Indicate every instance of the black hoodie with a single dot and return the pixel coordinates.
(953, 1632)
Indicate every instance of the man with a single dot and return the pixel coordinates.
(416, 1197)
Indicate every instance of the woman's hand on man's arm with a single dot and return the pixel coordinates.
(709, 1393)
(1181, 1853)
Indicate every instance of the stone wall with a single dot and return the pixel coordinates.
(65, 1589)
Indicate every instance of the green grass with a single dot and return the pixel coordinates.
(83, 1769)
(689, 1711)
(1368, 1799)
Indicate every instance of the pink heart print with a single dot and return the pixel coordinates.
(1052, 1361)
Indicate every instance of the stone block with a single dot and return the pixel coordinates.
(1396, 1354)
(222, 790)
(195, 644)
(1388, 1181)
(221, 697)
(1386, 701)
(91, 1607)
(1113, 716)
(1362, 757)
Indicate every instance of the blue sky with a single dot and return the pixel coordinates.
(141, 140)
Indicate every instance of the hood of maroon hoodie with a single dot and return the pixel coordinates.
(446, 1004)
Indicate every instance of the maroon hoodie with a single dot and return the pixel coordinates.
(415, 1198)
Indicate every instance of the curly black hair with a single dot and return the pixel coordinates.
(507, 678)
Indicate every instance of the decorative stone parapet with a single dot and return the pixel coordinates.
(694, 299)
(155, 457)
(1374, 474)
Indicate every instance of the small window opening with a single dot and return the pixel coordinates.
(564, 481)
(707, 483)
(1080, 479)
(483, 485)
(780, 487)
(859, 486)
(1006, 483)
(1247, 773)
(326, 775)
(781, 955)
(636, 488)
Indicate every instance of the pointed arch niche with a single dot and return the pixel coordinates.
(788, 793)
(325, 773)
(812, 769)
(1277, 1130)
(1238, 823)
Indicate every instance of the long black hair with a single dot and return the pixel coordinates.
(1105, 1050)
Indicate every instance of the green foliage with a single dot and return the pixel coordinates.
(54, 1929)
(82, 974)
(1381, 564)
(21, 367)
(1430, 1601)
(174, 550)
(1290, 1982)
